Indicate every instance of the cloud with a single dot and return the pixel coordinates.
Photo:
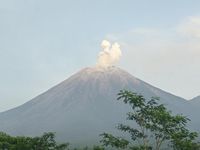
(109, 55)
(190, 27)
(168, 58)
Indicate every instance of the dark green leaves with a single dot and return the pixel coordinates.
(117, 142)
(45, 142)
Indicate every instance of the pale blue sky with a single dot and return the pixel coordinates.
(42, 42)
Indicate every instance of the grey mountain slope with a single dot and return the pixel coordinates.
(83, 106)
(196, 100)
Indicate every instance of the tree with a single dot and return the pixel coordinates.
(45, 142)
(98, 148)
(117, 142)
(155, 123)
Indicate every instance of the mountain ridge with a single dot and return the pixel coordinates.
(83, 104)
(195, 98)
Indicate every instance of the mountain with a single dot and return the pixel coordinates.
(196, 100)
(83, 106)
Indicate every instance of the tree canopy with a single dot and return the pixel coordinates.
(155, 126)
(44, 142)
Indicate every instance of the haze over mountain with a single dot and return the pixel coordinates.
(83, 106)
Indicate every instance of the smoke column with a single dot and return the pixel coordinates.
(109, 55)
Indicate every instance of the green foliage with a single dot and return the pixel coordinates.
(116, 142)
(45, 142)
(185, 140)
(154, 122)
(98, 148)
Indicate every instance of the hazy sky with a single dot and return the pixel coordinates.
(43, 42)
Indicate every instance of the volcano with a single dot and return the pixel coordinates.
(83, 106)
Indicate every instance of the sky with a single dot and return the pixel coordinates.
(43, 42)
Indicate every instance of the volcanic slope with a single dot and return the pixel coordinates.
(83, 106)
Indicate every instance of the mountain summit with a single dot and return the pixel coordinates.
(83, 106)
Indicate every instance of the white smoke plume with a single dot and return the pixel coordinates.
(109, 55)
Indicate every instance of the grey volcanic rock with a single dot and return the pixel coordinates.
(83, 106)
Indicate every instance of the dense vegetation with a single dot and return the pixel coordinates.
(156, 128)
(45, 142)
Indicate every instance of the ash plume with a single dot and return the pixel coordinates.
(109, 55)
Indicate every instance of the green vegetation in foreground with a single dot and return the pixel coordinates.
(155, 123)
(45, 142)
(156, 127)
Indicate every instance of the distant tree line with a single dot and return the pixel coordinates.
(157, 128)
(44, 142)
